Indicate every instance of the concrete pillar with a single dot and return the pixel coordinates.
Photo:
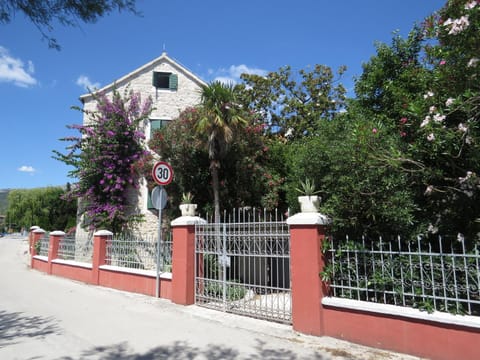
(30, 238)
(37, 234)
(307, 232)
(99, 252)
(54, 243)
(183, 259)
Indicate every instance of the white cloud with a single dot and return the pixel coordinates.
(232, 74)
(13, 70)
(27, 169)
(86, 83)
(226, 79)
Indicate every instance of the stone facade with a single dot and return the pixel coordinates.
(168, 102)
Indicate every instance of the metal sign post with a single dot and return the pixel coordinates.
(162, 174)
(159, 200)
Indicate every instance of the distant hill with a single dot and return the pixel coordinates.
(3, 200)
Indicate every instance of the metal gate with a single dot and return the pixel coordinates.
(243, 267)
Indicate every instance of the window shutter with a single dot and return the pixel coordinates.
(156, 79)
(154, 125)
(149, 202)
(173, 82)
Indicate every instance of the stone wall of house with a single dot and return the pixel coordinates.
(167, 105)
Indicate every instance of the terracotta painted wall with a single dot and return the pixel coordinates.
(417, 337)
(136, 283)
(73, 272)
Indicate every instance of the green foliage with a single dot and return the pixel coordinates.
(220, 118)
(307, 188)
(358, 191)
(108, 158)
(244, 180)
(44, 207)
(425, 89)
(3, 201)
(294, 103)
(187, 198)
(233, 292)
(44, 14)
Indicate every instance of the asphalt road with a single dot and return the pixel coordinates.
(46, 317)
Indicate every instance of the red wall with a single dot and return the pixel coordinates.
(137, 283)
(40, 265)
(73, 272)
(421, 338)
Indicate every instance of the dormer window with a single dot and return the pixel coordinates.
(165, 80)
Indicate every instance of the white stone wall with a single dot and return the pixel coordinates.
(167, 105)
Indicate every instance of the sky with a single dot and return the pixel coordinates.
(215, 39)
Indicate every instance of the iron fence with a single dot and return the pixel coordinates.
(430, 274)
(243, 265)
(139, 252)
(76, 248)
(43, 244)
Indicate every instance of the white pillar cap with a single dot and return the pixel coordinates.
(188, 220)
(309, 219)
(103, 233)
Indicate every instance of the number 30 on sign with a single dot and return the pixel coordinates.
(162, 173)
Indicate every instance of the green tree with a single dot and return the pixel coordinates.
(44, 207)
(246, 178)
(292, 104)
(360, 193)
(425, 90)
(221, 115)
(45, 13)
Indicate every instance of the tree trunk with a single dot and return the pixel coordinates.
(216, 191)
(216, 200)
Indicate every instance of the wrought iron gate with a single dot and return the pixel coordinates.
(243, 267)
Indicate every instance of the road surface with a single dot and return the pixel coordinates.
(47, 317)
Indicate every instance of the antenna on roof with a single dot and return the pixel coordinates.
(164, 48)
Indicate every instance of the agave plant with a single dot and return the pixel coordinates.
(307, 188)
(187, 198)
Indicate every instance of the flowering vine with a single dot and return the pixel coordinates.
(107, 158)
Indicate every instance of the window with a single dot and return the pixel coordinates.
(156, 124)
(149, 201)
(165, 80)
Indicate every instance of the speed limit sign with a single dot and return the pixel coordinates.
(162, 173)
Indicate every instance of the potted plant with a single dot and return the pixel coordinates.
(309, 200)
(186, 206)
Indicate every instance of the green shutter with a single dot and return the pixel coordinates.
(154, 125)
(173, 82)
(149, 202)
(156, 79)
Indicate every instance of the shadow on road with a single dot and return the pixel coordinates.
(15, 325)
(180, 350)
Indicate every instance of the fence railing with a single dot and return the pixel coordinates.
(440, 274)
(139, 252)
(42, 245)
(76, 248)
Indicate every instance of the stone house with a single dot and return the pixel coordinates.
(172, 88)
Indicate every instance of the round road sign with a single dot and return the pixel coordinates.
(159, 197)
(162, 173)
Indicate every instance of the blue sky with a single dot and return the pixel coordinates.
(213, 38)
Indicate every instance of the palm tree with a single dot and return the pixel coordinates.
(221, 115)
